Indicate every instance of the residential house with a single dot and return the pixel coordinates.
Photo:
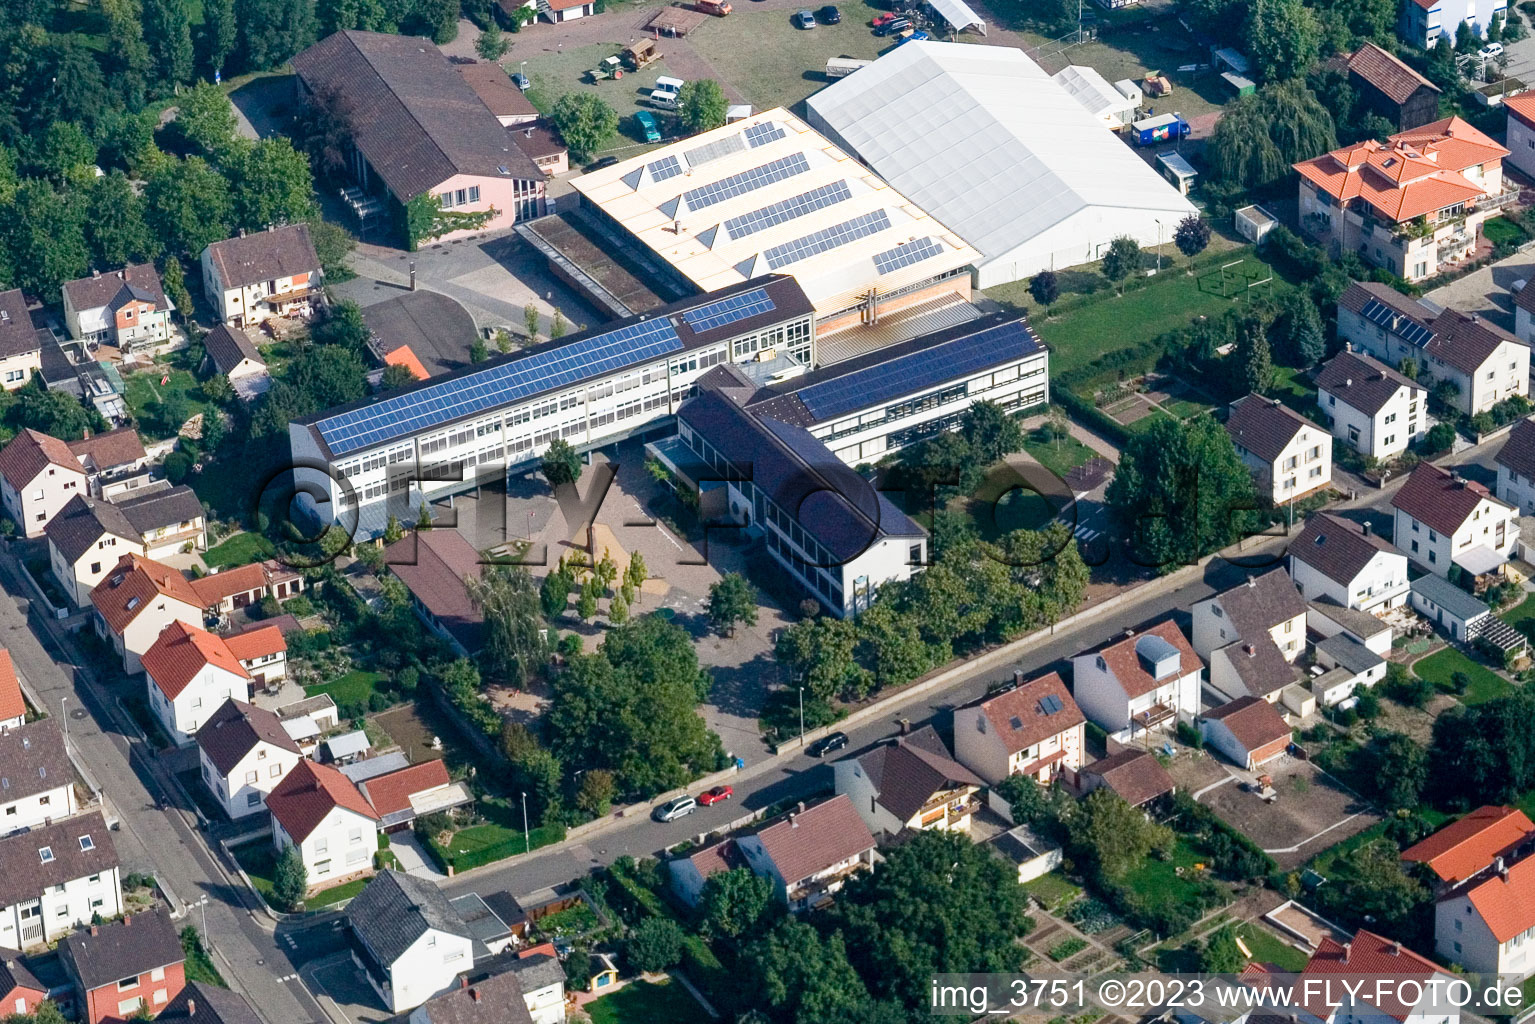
(1390, 88)
(1520, 141)
(1033, 854)
(1413, 204)
(558, 11)
(1458, 615)
(13, 706)
(38, 476)
(1141, 682)
(407, 939)
(1443, 519)
(540, 142)
(1516, 468)
(495, 999)
(55, 878)
(325, 815)
(89, 536)
(168, 519)
(125, 967)
(1249, 730)
(253, 277)
(37, 779)
(21, 991)
(400, 797)
(810, 852)
(1472, 845)
(420, 128)
(202, 1003)
(1349, 664)
(1135, 775)
(1425, 22)
(263, 653)
(126, 309)
(245, 585)
(1252, 635)
(1372, 408)
(1339, 560)
(115, 461)
(1375, 969)
(244, 753)
(230, 351)
(21, 348)
(435, 566)
(1288, 455)
(542, 981)
(911, 782)
(1484, 362)
(689, 872)
(190, 673)
(1489, 926)
(135, 603)
(1325, 619)
(1034, 729)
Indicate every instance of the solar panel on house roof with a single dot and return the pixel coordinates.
(917, 371)
(710, 151)
(666, 167)
(762, 134)
(1050, 704)
(1408, 330)
(747, 181)
(827, 238)
(442, 403)
(788, 209)
(728, 311)
(905, 255)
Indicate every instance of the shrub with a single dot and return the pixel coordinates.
(654, 944)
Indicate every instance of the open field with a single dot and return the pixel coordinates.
(1440, 669)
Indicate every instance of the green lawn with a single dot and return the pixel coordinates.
(336, 894)
(644, 1002)
(259, 864)
(144, 393)
(353, 688)
(1497, 230)
(240, 549)
(1522, 616)
(1440, 667)
(1053, 890)
(1060, 456)
(478, 845)
(1159, 880)
(1268, 948)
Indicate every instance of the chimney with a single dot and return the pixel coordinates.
(1250, 650)
(463, 982)
(1348, 949)
(95, 931)
(1348, 382)
(792, 822)
(1252, 581)
(95, 274)
(242, 232)
(1396, 949)
(127, 920)
(191, 1007)
(799, 808)
(1365, 528)
(474, 994)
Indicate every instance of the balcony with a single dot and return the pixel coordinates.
(1496, 202)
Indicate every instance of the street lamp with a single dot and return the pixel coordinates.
(527, 840)
(1159, 243)
(802, 717)
(204, 904)
(64, 714)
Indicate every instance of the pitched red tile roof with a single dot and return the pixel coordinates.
(722, 856)
(114, 448)
(256, 643)
(1461, 849)
(391, 792)
(12, 705)
(1025, 707)
(1338, 548)
(1367, 954)
(130, 587)
(1136, 775)
(181, 652)
(1125, 663)
(32, 451)
(814, 839)
(1521, 107)
(301, 801)
(1264, 426)
(1437, 497)
(1387, 73)
(221, 585)
(1507, 902)
(1252, 720)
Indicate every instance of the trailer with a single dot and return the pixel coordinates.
(1161, 128)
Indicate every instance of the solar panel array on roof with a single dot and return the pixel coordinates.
(700, 155)
(747, 181)
(910, 374)
(437, 404)
(762, 134)
(666, 167)
(1382, 315)
(1050, 704)
(905, 255)
(827, 238)
(788, 209)
(728, 311)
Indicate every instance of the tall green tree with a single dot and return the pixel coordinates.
(272, 31)
(732, 603)
(1122, 259)
(64, 154)
(206, 119)
(819, 656)
(492, 43)
(1114, 837)
(802, 977)
(702, 105)
(1192, 235)
(515, 649)
(1180, 491)
(1283, 37)
(1252, 363)
(44, 234)
(188, 206)
(366, 15)
(585, 122)
(1260, 136)
(168, 34)
(290, 879)
(991, 433)
(270, 184)
(1298, 336)
(561, 463)
(216, 41)
(733, 903)
(114, 223)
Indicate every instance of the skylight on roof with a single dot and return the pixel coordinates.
(45, 854)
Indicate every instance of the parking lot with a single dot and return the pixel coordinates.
(1312, 812)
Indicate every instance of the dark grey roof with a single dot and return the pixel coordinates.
(394, 910)
(833, 504)
(17, 336)
(208, 1004)
(412, 115)
(16, 973)
(506, 907)
(105, 954)
(235, 729)
(24, 871)
(1518, 452)
(1264, 426)
(1350, 653)
(435, 327)
(1360, 623)
(497, 999)
(159, 509)
(909, 770)
(228, 346)
(538, 971)
(481, 920)
(264, 255)
(115, 288)
(1338, 548)
(1364, 383)
(1260, 665)
(1263, 602)
(1449, 597)
(83, 521)
(32, 761)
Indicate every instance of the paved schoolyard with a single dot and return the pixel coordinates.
(1313, 811)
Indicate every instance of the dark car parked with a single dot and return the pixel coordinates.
(893, 27)
(827, 744)
(830, 15)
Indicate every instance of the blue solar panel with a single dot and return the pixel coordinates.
(905, 255)
(666, 167)
(747, 181)
(728, 311)
(762, 134)
(917, 371)
(827, 238)
(788, 209)
(439, 404)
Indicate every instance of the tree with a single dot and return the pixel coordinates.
(217, 388)
(554, 593)
(1179, 491)
(173, 280)
(1397, 767)
(1466, 39)
(618, 609)
(732, 903)
(56, 413)
(802, 977)
(585, 122)
(1406, 687)
(535, 770)
(188, 206)
(1439, 438)
(1045, 289)
(396, 376)
(1115, 837)
(732, 602)
(168, 34)
(1260, 136)
(557, 325)
(290, 879)
(393, 531)
(272, 31)
(342, 325)
(1299, 338)
(65, 153)
(206, 119)
(1283, 38)
(44, 233)
(991, 433)
(503, 341)
(114, 222)
(1192, 235)
(702, 105)
(1221, 954)
(586, 600)
(530, 321)
(595, 794)
(1253, 362)
(819, 656)
(492, 44)
(217, 39)
(561, 463)
(1025, 797)
(636, 572)
(1122, 259)
(270, 184)
(334, 245)
(514, 649)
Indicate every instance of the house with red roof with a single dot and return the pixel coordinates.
(1473, 844)
(811, 851)
(690, 871)
(1140, 682)
(1412, 204)
(1249, 730)
(1488, 926)
(263, 653)
(189, 674)
(1442, 519)
(13, 707)
(38, 476)
(322, 812)
(400, 797)
(136, 601)
(1033, 729)
(1320, 993)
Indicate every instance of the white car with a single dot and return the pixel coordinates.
(1490, 51)
(664, 95)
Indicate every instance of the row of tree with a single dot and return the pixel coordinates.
(588, 124)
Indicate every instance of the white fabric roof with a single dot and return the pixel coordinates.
(985, 141)
(958, 14)
(1092, 90)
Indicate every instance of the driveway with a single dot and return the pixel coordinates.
(413, 859)
(1489, 291)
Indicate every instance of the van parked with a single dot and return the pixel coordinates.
(664, 95)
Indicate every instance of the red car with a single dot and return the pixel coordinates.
(880, 19)
(719, 794)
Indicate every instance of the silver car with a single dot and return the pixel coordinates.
(674, 809)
